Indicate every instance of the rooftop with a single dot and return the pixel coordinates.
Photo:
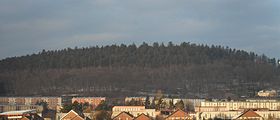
(18, 112)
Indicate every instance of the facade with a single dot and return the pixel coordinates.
(179, 115)
(217, 114)
(235, 114)
(234, 109)
(94, 101)
(208, 106)
(53, 102)
(134, 111)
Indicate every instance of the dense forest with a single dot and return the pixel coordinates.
(186, 69)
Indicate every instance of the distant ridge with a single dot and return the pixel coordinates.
(185, 69)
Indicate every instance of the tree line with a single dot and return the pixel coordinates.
(145, 55)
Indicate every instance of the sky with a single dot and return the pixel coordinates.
(29, 26)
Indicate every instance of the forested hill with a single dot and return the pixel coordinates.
(156, 55)
(185, 69)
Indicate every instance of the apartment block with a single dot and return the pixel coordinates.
(53, 102)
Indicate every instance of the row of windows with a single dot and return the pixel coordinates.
(272, 106)
(265, 115)
(127, 109)
(238, 103)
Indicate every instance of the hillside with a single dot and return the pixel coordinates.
(186, 70)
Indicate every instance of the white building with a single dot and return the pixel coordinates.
(234, 114)
(207, 106)
(134, 110)
(232, 109)
(267, 93)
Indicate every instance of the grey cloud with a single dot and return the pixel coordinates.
(29, 26)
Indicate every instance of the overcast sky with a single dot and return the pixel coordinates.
(28, 26)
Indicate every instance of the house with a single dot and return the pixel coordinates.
(249, 115)
(143, 117)
(72, 115)
(179, 115)
(123, 116)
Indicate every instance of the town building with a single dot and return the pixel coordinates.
(53, 102)
(93, 101)
(208, 106)
(225, 115)
(238, 109)
(134, 111)
(264, 114)
(267, 93)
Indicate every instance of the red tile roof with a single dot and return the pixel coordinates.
(72, 115)
(123, 116)
(249, 114)
(179, 113)
(142, 117)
